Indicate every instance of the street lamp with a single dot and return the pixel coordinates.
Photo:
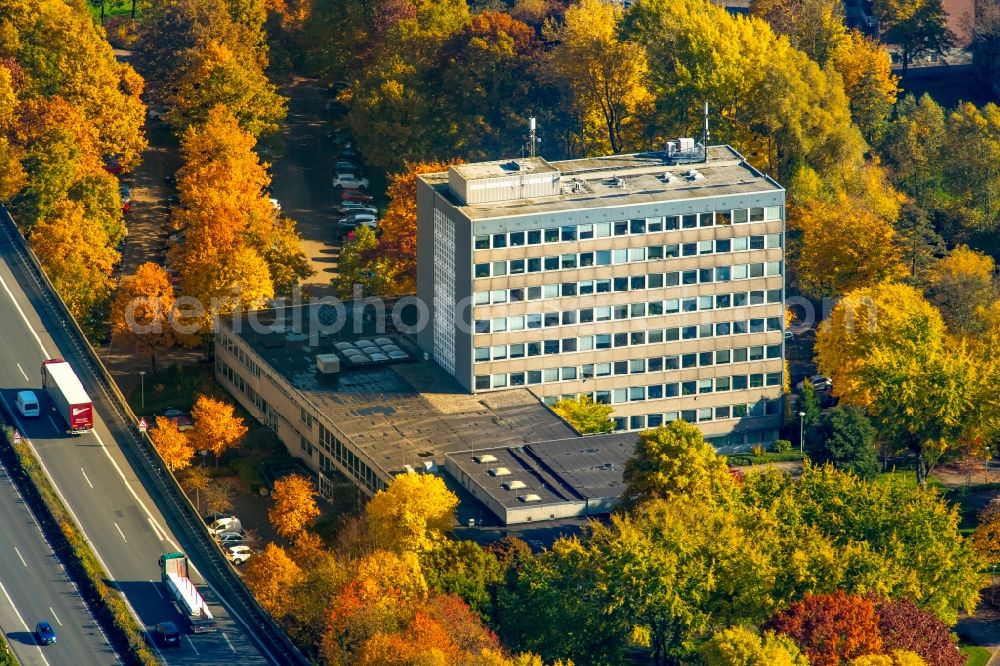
(142, 389)
(802, 417)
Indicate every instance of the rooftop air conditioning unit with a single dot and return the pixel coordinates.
(328, 364)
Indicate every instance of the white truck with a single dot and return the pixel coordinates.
(68, 395)
(174, 573)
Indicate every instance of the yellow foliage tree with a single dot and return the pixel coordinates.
(294, 505)
(605, 74)
(141, 313)
(866, 69)
(740, 646)
(897, 658)
(216, 426)
(270, 575)
(172, 444)
(76, 256)
(961, 285)
(412, 513)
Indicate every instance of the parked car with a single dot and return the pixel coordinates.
(216, 515)
(275, 203)
(126, 194)
(819, 383)
(230, 538)
(334, 107)
(349, 181)
(45, 634)
(166, 634)
(355, 195)
(239, 554)
(112, 165)
(337, 87)
(228, 524)
(345, 166)
(789, 336)
(351, 207)
(348, 152)
(355, 220)
(182, 420)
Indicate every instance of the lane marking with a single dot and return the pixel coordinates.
(156, 530)
(156, 587)
(192, 644)
(24, 624)
(26, 378)
(20, 556)
(120, 532)
(58, 621)
(55, 426)
(85, 478)
(25, 318)
(228, 643)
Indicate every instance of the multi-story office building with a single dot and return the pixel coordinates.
(653, 286)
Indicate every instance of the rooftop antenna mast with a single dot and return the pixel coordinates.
(705, 133)
(532, 140)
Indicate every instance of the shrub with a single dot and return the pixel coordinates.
(758, 450)
(782, 446)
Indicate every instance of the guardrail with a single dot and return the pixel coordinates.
(220, 575)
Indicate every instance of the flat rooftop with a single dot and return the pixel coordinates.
(563, 470)
(399, 414)
(601, 182)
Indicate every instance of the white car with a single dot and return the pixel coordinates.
(238, 554)
(275, 203)
(351, 207)
(27, 404)
(819, 383)
(356, 220)
(349, 181)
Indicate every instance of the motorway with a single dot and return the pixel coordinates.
(118, 517)
(34, 586)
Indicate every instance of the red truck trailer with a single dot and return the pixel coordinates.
(68, 395)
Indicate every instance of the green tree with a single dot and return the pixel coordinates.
(847, 439)
(813, 26)
(919, 242)
(809, 404)
(674, 460)
(586, 415)
(913, 147)
(920, 33)
(465, 569)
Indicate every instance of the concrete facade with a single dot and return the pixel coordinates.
(654, 287)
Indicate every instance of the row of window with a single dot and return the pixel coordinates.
(239, 352)
(762, 408)
(649, 225)
(631, 366)
(605, 313)
(633, 393)
(573, 260)
(363, 473)
(611, 285)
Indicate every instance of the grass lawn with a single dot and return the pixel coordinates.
(746, 459)
(978, 656)
(909, 478)
(176, 386)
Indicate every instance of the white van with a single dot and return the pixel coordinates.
(230, 524)
(27, 404)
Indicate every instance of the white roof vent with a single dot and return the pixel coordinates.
(486, 458)
(694, 174)
(499, 471)
(530, 497)
(668, 177)
(514, 484)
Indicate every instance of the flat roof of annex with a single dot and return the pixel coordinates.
(598, 182)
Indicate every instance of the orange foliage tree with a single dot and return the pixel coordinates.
(294, 505)
(172, 444)
(270, 575)
(216, 426)
(140, 315)
(831, 629)
(398, 241)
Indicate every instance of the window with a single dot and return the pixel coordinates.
(516, 238)
(739, 411)
(586, 231)
(654, 224)
(654, 391)
(723, 217)
(689, 249)
(671, 250)
(739, 382)
(498, 352)
(773, 379)
(671, 223)
(705, 385)
(689, 388)
(722, 383)
(722, 356)
(482, 270)
(499, 240)
(689, 221)
(602, 230)
(722, 328)
(671, 362)
(772, 213)
(723, 300)
(516, 351)
(568, 345)
(739, 216)
(723, 274)
(756, 214)
(603, 257)
(602, 341)
(516, 295)
(654, 252)
(654, 280)
(482, 354)
(482, 382)
(774, 268)
(722, 412)
(552, 235)
(619, 396)
(756, 242)
(756, 380)
(689, 360)
(740, 355)
(689, 277)
(481, 298)
(517, 266)
(637, 226)
(482, 326)
(671, 390)
(534, 376)
(723, 245)
(774, 240)
(568, 289)
(586, 259)
(568, 233)
(706, 219)
(499, 381)
(482, 242)
(535, 237)
(620, 228)
(705, 358)
(534, 265)
(568, 372)
(756, 353)
(499, 268)
(636, 393)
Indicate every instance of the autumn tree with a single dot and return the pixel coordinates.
(813, 26)
(465, 569)
(871, 87)
(270, 575)
(961, 285)
(831, 629)
(216, 426)
(585, 415)
(195, 480)
(141, 313)
(412, 513)
(896, 658)
(918, 27)
(741, 646)
(913, 146)
(294, 505)
(213, 75)
(673, 460)
(904, 626)
(604, 74)
(919, 242)
(172, 444)
(76, 256)
(986, 538)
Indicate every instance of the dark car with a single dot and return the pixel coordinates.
(336, 108)
(182, 420)
(45, 634)
(166, 634)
